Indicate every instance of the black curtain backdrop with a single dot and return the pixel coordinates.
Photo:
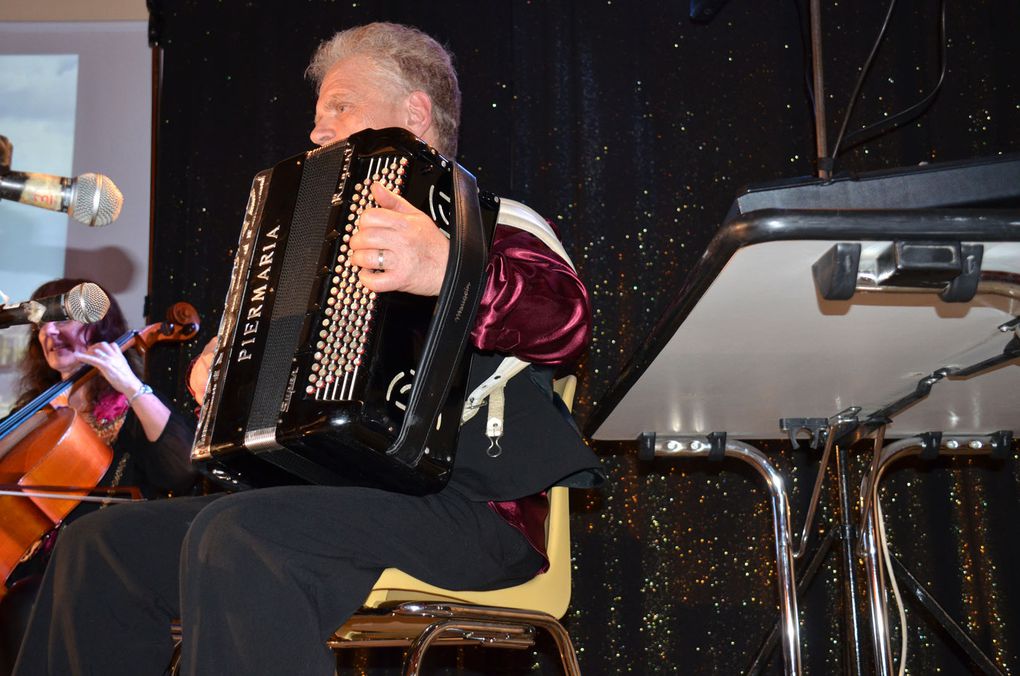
(632, 128)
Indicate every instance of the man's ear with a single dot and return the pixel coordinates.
(419, 113)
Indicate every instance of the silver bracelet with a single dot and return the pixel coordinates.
(143, 389)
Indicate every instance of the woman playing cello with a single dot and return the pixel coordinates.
(151, 444)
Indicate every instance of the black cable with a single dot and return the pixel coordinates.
(862, 135)
(860, 80)
(802, 32)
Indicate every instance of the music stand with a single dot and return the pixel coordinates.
(836, 322)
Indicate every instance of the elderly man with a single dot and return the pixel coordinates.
(278, 570)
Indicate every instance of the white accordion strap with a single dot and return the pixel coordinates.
(515, 215)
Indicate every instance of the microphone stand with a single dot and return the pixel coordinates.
(818, 86)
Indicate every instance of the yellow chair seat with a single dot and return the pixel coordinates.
(548, 592)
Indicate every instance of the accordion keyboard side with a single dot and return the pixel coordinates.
(221, 421)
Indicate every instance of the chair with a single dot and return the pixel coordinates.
(402, 611)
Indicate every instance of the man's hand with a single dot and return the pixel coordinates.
(412, 249)
(198, 375)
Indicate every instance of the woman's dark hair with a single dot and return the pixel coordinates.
(36, 374)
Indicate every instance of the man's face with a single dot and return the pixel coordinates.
(354, 97)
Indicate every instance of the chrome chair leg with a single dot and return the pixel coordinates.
(568, 657)
(480, 629)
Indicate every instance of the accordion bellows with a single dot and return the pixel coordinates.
(317, 380)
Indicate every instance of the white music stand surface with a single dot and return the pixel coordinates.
(753, 341)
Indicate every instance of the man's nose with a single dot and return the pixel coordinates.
(322, 134)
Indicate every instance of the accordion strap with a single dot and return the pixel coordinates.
(515, 215)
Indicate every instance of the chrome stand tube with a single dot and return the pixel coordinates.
(816, 493)
(701, 447)
(873, 545)
(852, 622)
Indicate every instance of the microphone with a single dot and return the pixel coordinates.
(91, 199)
(85, 303)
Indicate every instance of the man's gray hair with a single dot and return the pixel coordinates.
(414, 61)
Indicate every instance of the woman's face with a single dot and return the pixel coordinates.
(59, 341)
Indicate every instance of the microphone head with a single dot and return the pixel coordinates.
(86, 303)
(95, 200)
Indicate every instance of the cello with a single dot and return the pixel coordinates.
(51, 460)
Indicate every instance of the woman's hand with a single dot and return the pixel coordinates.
(110, 361)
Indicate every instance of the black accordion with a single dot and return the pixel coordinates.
(315, 379)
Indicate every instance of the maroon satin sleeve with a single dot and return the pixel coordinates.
(528, 515)
(534, 306)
